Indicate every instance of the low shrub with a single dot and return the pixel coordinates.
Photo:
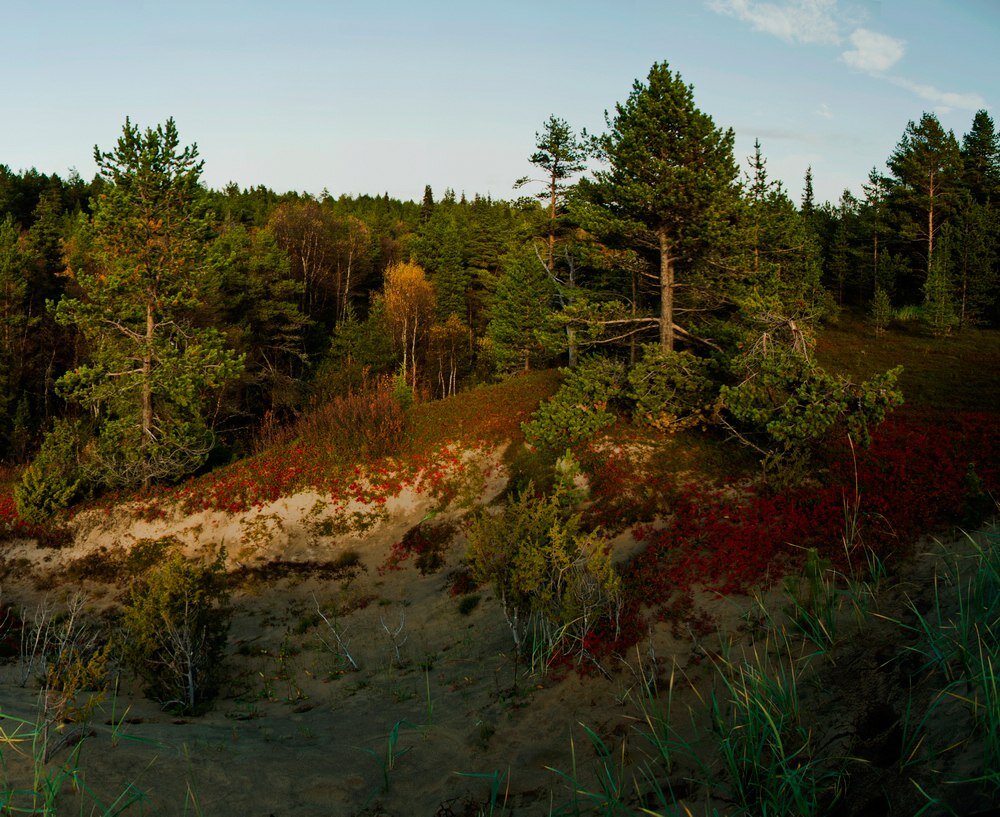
(555, 583)
(367, 422)
(176, 622)
(584, 404)
(56, 477)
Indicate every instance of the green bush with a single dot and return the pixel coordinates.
(176, 622)
(56, 478)
(554, 581)
(584, 404)
(672, 390)
(787, 406)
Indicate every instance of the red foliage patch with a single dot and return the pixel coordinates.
(913, 480)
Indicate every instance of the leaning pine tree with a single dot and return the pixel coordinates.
(150, 369)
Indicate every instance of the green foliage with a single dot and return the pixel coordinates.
(981, 159)
(975, 261)
(670, 166)
(151, 371)
(787, 405)
(583, 406)
(358, 349)
(926, 169)
(672, 390)
(939, 308)
(255, 296)
(521, 310)
(176, 622)
(401, 392)
(554, 581)
(13, 320)
(881, 310)
(56, 478)
(774, 246)
(669, 187)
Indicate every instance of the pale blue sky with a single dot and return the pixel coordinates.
(368, 97)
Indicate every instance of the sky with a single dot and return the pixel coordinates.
(389, 95)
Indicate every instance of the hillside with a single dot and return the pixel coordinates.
(365, 674)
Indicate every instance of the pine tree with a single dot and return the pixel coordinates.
(926, 173)
(559, 153)
(670, 180)
(151, 369)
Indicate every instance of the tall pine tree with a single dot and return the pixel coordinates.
(670, 180)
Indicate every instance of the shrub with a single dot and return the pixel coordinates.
(672, 390)
(56, 478)
(367, 422)
(176, 623)
(553, 581)
(788, 406)
(583, 406)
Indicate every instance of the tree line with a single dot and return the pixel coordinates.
(150, 326)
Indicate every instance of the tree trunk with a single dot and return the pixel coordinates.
(666, 294)
(632, 356)
(413, 355)
(930, 226)
(406, 346)
(147, 377)
(552, 223)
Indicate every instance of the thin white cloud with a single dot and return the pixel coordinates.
(794, 21)
(873, 53)
(824, 111)
(943, 100)
(820, 22)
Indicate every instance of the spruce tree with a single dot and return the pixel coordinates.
(981, 160)
(808, 201)
(939, 307)
(779, 259)
(14, 265)
(881, 310)
(976, 228)
(522, 305)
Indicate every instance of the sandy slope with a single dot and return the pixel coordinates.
(299, 732)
